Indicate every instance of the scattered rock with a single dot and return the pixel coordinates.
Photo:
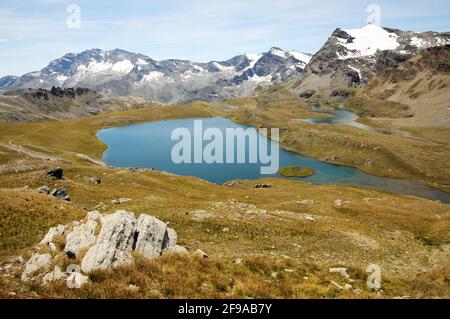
(336, 285)
(307, 202)
(289, 270)
(342, 271)
(200, 215)
(257, 211)
(55, 173)
(77, 280)
(120, 201)
(61, 193)
(200, 253)
(36, 263)
(262, 186)
(95, 180)
(339, 203)
(55, 275)
(232, 184)
(177, 250)
(237, 261)
(133, 288)
(44, 190)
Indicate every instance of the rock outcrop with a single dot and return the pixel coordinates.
(100, 242)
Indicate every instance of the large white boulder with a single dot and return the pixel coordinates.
(151, 236)
(81, 237)
(114, 244)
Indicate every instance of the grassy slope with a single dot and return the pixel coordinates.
(419, 84)
(405, 235)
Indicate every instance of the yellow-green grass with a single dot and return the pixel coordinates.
(173, 276)
(371, 214)
(296, 171)
(405, 235)
(367, 107)
(25, 216)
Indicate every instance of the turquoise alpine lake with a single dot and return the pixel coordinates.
(149, 145)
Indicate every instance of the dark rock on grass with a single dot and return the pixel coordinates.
(262, 186)
(55, 173)
(60, 193)
(307, 94)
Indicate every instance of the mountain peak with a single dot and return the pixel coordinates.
(351, 57)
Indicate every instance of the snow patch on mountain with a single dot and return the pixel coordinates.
(124, 66)
(278, 52)
(61, 78)
(368, 40)
(254, 58)
(152, 76)
(301, 56)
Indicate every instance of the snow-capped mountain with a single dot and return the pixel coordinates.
(352, 57)
(123, 73)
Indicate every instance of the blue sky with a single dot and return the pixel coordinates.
(34, 32)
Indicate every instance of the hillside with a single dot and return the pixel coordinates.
(31, 105)
(421, 84)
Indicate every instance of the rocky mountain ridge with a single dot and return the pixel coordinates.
(350, 58)
(122, 73)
